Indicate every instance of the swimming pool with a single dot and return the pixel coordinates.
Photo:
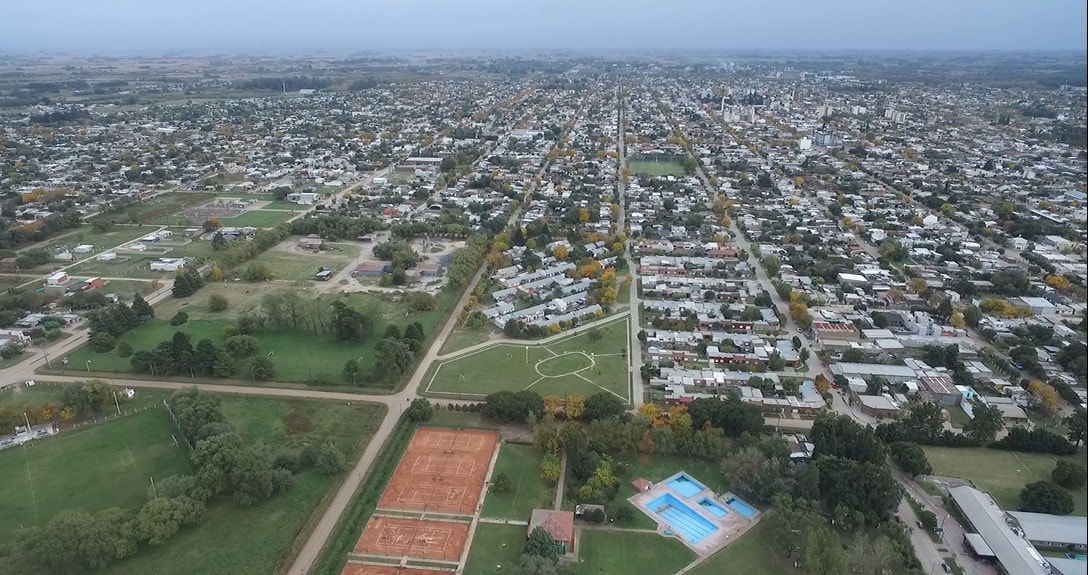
(685, 485)
(741, 507)
(713, 508)
(682, 519)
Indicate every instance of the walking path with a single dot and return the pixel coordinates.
(560, 484)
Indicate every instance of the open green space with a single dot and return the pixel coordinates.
(522, 463)
(20, 396)
(630, 552)
(460, 339)
(297, 267)
(263, 538)
(1002, 474)
(752, 554)
(281, 205)
(95, 467)
(162, 209)
(495, 545)
(656, 168)
(125, 266)
(108, 237)
(257, 219)
(546, 369)
(297, 356)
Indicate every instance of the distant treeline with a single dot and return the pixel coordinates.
(292, 84)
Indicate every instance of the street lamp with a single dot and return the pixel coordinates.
(88, 366)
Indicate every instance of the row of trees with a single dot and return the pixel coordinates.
(237, 252)
(178, 356)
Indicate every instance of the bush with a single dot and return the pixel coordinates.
(1046, 497)
(1069, 474)
(124, 349)
(1036, 441)
(419, 410)
(179, 318)
(330, 459)
(9, 351)
(257, 272)
(217, 303)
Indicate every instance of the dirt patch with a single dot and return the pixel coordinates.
(297, 421)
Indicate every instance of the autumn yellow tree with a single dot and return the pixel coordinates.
(917, 285)
(560, 253)
(957, 320)
(584, 215)
(1058, 282)
(1045, 395)
(575, 406)
(552, 404)
(652, 412)
(821, 383)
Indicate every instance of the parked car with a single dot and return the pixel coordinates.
(945, 567)
(919, 524)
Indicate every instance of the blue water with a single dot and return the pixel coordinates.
(682, 519)
(741, 507)
(713, 508)
(685, 485)
(1080, 557)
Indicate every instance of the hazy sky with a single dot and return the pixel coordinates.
(153, 26)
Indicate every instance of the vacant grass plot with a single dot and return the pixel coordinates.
(108, 238)
(583, 364)
(630, 552)
(1002, 474)
(162, 209)
(495, 548)
(752, 554)
(262, 539)
(656, 168)
(257, 219)
(287, 265)
(95, 467)
(522, 463)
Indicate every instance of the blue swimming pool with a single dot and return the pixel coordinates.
(682, 519)
(713, 508)
(741, 507)
(685, 485)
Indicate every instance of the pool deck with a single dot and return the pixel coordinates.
(730, 527)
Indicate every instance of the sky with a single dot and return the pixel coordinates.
(299, 26)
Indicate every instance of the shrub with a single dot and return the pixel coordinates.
(102, 342)
(241, 345)
(1069, 474)
(217, 303)
(179, 318)
(501, 483)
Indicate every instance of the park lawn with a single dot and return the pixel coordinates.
(629, 552)
(496, 545)
(162, 209)
(1002, 474)
(282, 206)
(462, 338)
(653, 168)
(522, 463)
(110, 238)
(263, 538)
(20, 396)
(256, 219)
(297, 267)
(125, 266)
(95, 467)
(514, 367)
(753, 554)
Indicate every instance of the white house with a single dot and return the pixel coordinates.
(168, 264)
(107, 257)
(57, 279)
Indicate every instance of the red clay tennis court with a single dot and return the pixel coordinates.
(443, 471)
(360, 569)
(415, 538)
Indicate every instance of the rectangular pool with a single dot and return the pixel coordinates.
(741, 507)
(681, 518)
(713, 508)
(685, 485)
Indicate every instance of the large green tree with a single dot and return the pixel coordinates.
(986, 422)
(1046, 497)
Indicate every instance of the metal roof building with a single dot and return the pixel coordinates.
(1015, 554)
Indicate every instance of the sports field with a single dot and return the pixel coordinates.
(257, 219)
(582, 364)
(653, 168)
(99, 466)
(402, 537)
(443, 471)
(1002, 474)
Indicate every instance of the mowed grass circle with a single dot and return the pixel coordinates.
(565, 364)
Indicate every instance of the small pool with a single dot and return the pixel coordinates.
(1078, 556)
(685, 485)
(681, 518)
(741, 507)
(713, 508)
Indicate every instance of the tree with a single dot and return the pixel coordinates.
(261, 368)
(574, 406)
(910, 457)
(957, 319)
(775, 362)
(394, 357)
(870, 556)
(179, 318)
(217, 303)
(420, 410)
(257, 272)
(102, 342)
(1069, 474)
(541, 544)
(330, 459)
(550, 468)
(973, 315)
(507, 406)
(124, 348)
(141, 308)
(603, 405)
(1076, 426)
(421, 301)
(219, 242)
(501, 483)
(415, 331)
(352, 370)
(535, 565)
(1045, 396)
(241, 345)
(1046, 497)
(925, 419)
(986, 422)
(161, 517)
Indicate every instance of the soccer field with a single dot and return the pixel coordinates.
(578, 365)
(99, 466)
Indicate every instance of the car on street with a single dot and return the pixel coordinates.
(919, 524)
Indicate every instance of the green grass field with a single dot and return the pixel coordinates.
(261, 539)
(281, 205)
(629, 552)
(162, 210)
(297, 267)
(522, 463)
(572, 366)
(1002, 474)
(297, 356)
(114, 236)
(752, 554)
(94, 467)
(495, 545)
(257, 219)
(462, 338)
(653, 168)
